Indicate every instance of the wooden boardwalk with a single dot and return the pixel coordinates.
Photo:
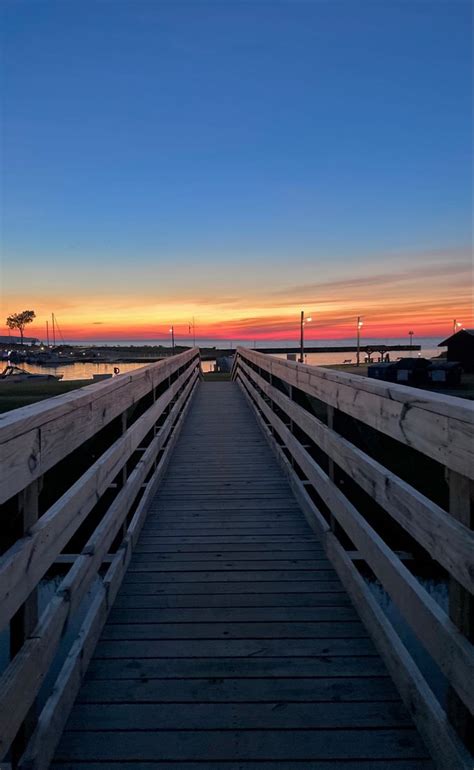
(232, 643)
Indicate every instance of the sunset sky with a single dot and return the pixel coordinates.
(237, 162)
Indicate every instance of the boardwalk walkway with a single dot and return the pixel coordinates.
(232, 643)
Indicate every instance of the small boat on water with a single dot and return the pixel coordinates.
(14, 374)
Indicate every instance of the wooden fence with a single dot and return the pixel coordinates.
(317, 421)
(78, 472)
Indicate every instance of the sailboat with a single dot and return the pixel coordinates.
(50, 357)
(14, 374)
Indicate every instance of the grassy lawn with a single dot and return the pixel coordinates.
(23, 393)
(464, 390)
(215, 376)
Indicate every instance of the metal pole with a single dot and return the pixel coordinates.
(358, 340)
(302, 338)
(172, 338)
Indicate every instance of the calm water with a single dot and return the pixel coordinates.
(79, 371)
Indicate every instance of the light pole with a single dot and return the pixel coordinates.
(411, 342)
(192, 326)
(456, 326)
(303, 322)
(172, 338)
(359, 326)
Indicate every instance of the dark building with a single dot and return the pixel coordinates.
(461, 348)
(445, 373)
(412, 371)
(386, 372)
(406, 371)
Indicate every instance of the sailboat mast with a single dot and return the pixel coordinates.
(54, 331)
(47, 334)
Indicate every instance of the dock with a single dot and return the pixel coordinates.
(210, 537)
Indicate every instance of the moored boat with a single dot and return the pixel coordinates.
(14, 374)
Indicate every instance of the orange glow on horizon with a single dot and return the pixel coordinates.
(423, 296)
(261, 329)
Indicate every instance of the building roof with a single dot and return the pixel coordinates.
(444, 365)
(461, 331)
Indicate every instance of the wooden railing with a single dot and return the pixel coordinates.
(354, 450)
(78, 473)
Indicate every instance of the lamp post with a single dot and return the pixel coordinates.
(456, 326)
(411, 342)
(359, 326)
(172, 338)
(192, 326)
(303, 322)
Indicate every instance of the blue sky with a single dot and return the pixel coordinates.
(221, 143)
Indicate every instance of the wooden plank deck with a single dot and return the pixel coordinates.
(232, 643)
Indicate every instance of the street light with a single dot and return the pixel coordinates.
(303, 322)
(456, 326)
(192, 326)
(172, 337)
(359, 326)
(411, 341)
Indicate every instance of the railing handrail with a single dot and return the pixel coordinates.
(116, 481)
(24, 450)
(450, 406)
(441, 427)
(313, 454)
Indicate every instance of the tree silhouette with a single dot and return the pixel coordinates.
(19, 321)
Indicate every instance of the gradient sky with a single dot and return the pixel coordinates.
(237, 161)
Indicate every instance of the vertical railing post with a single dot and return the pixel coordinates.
(461, 602)
(291, 426)
(123, 430)
(25, 619)
(331, 474)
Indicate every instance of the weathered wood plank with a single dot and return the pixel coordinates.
(311, 557)
(27, 671)
(250, 630)
(446, 748)
(211, 599)
(270, 745)
(53, 716)
(23, 565)
(213, 637)
(227, 648)
(440, 426)
(396, 764)
(446, 539)
(152, 563)
(225, 576)
(198, 587)
(451, 651)
(194, 615)
(36, 437)
(218, 716)
(304, 678)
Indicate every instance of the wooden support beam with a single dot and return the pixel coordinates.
(25, 619)
(461, 602)
(330, 411)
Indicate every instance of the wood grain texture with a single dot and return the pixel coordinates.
(231, 642)
(452, 652)
(440, 426)
(34, 438)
